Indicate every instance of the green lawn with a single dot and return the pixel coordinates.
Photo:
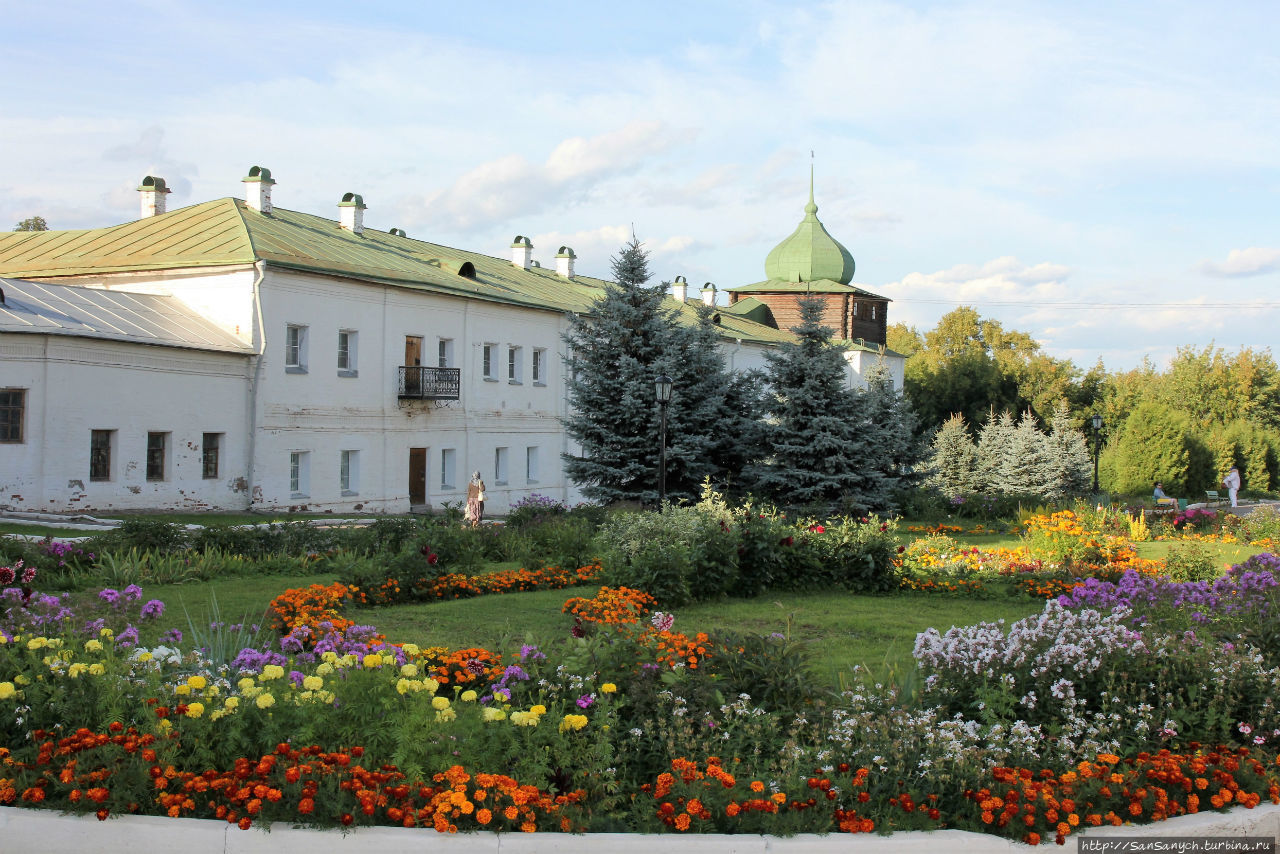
(42, 530)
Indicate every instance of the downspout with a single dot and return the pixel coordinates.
(255, 376)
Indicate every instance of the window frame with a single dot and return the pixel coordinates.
(444, 353)
(351, 338)
(532, 464)
(501, 465)
(515, 365)
(295, 348)
(488, 366)
(211, 450)
(157, 457)
(15, 416)
(349, 471)
(299, 474)
(539, 366)
(100, 455)
(448, 467)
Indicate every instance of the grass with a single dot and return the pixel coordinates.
(44, 530)
(239, 598)
(236, 518)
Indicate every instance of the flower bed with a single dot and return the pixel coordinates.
(1079, 716)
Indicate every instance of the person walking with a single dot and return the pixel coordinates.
(1232, 483)
(475, 499)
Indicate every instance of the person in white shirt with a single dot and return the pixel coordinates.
(1232, 483)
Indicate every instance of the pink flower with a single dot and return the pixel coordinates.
(662, 621)
(1245, 729)
(433, 558)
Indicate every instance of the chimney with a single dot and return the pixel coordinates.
(351, 213)
(521, 252)
(680, 289)
(709, 294)
(153, 192)
(564, 262)
(257, 189)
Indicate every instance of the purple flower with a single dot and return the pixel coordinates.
(586, 701)
(111, 597)
(296, 677)
(153, 610)
(127, 638)
(173, 636)
(133, 593)
(530, 652)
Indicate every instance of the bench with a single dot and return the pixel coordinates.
(1212, 497)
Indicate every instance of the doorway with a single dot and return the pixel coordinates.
(413, 365)
(417, 476)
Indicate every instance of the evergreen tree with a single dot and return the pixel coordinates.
(1070, 466)
(994, 442)
(709, 422)
(889, 432)
(1025, 468)
(953, 466)
(813, 449)
(613, 355)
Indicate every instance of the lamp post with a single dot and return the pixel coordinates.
(1096, 421)
(662, 388)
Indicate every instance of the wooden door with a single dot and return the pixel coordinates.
(417, 475)
(412, 351)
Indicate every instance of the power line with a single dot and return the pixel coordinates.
(1092, 306)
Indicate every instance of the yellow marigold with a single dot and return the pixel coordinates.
(440, 703)
(7, 691)
(468, 697)
(373, 659)
(106, 633)
(312, 683)
(197, 682)
(324, 668)
(272, 671)
(246, 683)
(182, 690)
(329, 657)
(431, 685)
(538, 710)
(97, 669)
(492, 714)
(573, 722)
(411, 649)
(195, 710)
(608, 688)
(402, 685)
(37, 643)
(265, 700)
(446, 715)
(409, 670)
(93, 645)
(76, 669)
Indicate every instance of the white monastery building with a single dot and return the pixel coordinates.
(234, 355)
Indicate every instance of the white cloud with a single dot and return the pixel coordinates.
(1254, 261)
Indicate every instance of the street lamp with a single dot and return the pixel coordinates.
(662, 388)
(1096, 421)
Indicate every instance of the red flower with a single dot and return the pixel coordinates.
(433, 558)
(817, 529)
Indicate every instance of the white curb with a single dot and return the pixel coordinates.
(48, 832)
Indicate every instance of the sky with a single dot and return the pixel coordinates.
(1104, 176)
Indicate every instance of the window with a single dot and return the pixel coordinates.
(855, 309)
(295, 349)
(446, 353)
(13, 404)
(299, 474)
(157, 448)
(531, 464)
(490, 369)
(349, 472)
(873, 312)
(447, 457)
(539, 367)
(500, 465)
(347, 339)
(100, 443)
(515, 364)
(210, 449)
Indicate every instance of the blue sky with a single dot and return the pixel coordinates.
(1107, 179)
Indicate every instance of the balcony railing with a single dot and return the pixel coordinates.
(417, 383)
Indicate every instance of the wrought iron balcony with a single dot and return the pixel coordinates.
(419, 383)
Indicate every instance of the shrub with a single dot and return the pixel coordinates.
(651, 552)
(1192, 561)
(856, 555)
(556, 540)
(143, 535)
(534, 509)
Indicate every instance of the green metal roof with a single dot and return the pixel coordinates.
(227, 232)
(810, 253)
(819, 286)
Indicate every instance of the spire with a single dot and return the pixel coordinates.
(811, 208)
